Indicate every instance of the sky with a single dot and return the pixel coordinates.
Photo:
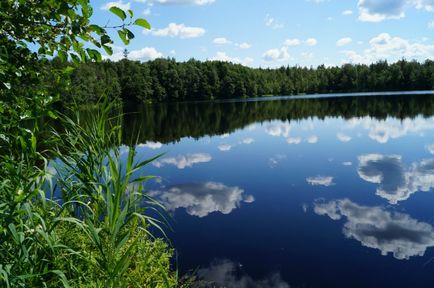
(276, 33)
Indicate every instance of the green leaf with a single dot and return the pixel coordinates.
(142, 23)
(118, 12)
(108, 49)
(131, 13)
(123, 36)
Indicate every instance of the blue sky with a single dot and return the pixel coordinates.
(273, 33)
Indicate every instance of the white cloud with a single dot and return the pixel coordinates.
(320, 180)
(277, 54)
(347, 163)
(183, 161)
(343, 137)
(344, 41)
(247, 141)
(312, 139)
(222, 56)
(224, 147)
(225, 273)
(151, 145)
(430, 148)
(311, 42)
(293, 140)
(221, 41)
(374, 227)
(380, 10)
(347, 12)
(395, 182)
(243, 45)
(200, 199)
(177, 30)
(272, 23)
(146, 53)
(182, 2)
(431, 25)
(292, 42)
(120, 4)
(278, 129)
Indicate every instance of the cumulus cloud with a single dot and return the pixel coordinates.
(120, 4)
(221, 41)
(344, 41)
(151, 145)
(224, 147)
(276, 54)
(343, 137)
(396, 182)
(292, 42)
(146, 53)
(177, 30)
(201, 199)
(278, 129)
(320, 181)
(225, 273)
(430, 148)
(243, 45)
(222, 56)
(347, 12)
(374, 227)
(379, 10)
(386, 47)
(311, 41)
(183, 161)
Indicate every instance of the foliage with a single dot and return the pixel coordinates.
(165, 80)
(87, 223)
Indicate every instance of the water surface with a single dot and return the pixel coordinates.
(297, 193)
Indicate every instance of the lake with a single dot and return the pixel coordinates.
(332, 192)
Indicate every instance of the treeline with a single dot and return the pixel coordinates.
(165, 80)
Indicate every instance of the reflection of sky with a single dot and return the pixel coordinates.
(283, 165)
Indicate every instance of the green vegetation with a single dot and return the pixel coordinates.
(83, 218)
(165, 80)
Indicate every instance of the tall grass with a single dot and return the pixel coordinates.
(86, 224)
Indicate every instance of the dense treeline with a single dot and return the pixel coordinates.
(167, 80)
(169, 122)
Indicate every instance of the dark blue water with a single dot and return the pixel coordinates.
(327, 193)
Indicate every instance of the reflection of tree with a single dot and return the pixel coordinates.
(374, 227)
(170, 122)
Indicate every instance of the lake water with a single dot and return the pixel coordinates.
(297, 193)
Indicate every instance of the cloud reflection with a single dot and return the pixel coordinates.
(151, 145)
(226, 273)
(391, 128)
(374, 227)
(395, 182)
(320, 180)
(200, 199)
(183, 161)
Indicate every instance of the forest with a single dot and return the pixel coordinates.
(166, 80)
